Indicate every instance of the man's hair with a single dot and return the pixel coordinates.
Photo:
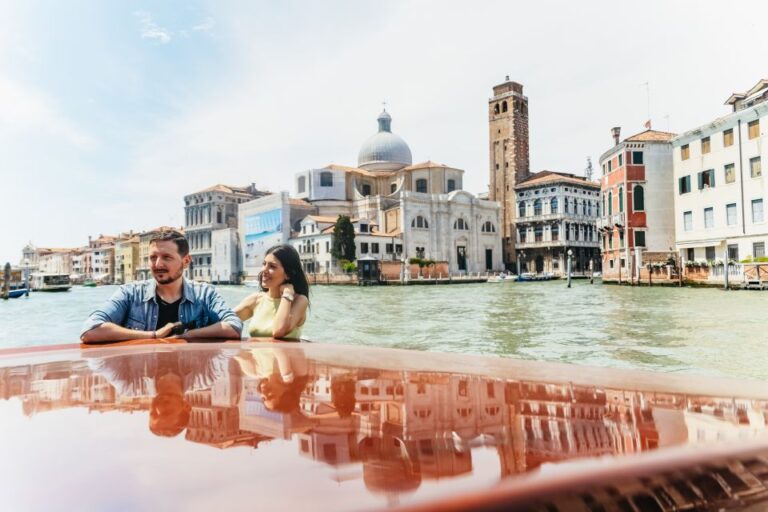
(172, 236)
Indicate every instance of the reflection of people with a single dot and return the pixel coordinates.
(280, 309)
(166, 377)
(283, 375)
(165, 305)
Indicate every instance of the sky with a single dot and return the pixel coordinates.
(112, 111)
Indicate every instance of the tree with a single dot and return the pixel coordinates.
(343, 247)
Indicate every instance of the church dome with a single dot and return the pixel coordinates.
(384, 151)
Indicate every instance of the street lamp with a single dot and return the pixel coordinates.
(570, 257)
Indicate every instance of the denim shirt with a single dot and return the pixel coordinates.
(134, 305)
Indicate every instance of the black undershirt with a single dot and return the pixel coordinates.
(168, 312)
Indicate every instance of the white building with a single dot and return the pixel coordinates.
(268, 221)
(422, 206)
(226, 263)
(720, 187)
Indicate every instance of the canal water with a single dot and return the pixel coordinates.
(693, 330)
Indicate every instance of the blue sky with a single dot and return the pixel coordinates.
(111, 111)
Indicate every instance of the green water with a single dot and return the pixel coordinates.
(703, 331)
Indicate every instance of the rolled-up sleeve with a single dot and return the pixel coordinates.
(114, 311)
(220, 312)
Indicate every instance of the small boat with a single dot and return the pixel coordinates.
(51, 282)
(367, 428)
(252, 283)
(18, 292)
(89, 283)
(502, 278)
(533, 276)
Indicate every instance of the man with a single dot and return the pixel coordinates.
(164, 306)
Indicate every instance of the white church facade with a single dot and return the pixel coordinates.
(421, 208)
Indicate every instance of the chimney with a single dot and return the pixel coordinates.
(616, 132)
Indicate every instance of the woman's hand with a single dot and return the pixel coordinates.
(287, 286)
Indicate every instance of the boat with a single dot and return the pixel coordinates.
(15, 293)
(502, 278)
(533, 276)
(50, 282)
(358, 427)
(89, 283)
(251, 283)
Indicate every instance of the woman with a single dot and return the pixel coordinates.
(279, 311)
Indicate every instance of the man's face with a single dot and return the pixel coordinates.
(165, 261)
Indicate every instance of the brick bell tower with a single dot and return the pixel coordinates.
(509, 163)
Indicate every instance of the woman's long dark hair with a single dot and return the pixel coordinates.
(291, 262)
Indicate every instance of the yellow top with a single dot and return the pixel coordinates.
(263, 319)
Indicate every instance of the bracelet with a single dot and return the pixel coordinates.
(154, 335)
(288, 296)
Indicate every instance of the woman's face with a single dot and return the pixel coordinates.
(272, 272)
(272, 390)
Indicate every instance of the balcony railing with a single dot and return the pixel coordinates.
(556, 243)
(557, 216)
(608, 221)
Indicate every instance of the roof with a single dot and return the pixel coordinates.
(161, 229)
(226, 189)
(299, 202)
(651, 136)
(322, 219)
(741, 95)
(429, 164)
(547, 177)
(344, 168)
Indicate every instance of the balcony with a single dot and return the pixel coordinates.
(568, 217)
(609, 221)
(555, 243)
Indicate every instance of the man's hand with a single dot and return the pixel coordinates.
(164, 331)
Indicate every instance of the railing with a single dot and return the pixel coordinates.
(556, 243)
(608, 221)
(568, 217)
(735, 270)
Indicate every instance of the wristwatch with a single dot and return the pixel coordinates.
(288, 295)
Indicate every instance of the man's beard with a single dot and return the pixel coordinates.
(169, 278)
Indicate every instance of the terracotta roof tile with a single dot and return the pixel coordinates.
(546, 177)
(651, 136)
(424, 165)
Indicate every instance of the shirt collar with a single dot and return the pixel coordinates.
(187, 291)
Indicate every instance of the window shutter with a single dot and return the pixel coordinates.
(711, 178)
(680, 185)
(701, 180)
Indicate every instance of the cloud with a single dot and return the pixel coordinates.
(150, 29)
(206, 26)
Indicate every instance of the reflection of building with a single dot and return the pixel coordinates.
(206, 211)
(556, 213)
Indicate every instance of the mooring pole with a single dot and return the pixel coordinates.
(7, 281)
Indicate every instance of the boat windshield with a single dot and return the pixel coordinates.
(56, 279)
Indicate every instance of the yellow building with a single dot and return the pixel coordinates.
(126, 259)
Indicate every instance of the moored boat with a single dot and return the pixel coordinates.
(50, 282)
(361, 428)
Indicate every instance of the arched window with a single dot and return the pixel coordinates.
(461, 224)
(610, 203)
(496, 108)
(553, 205)
(392, 188)
(419, 222)
(567, 205)
(488, 227)
(537, 207)
(555, 232)
(326, 179)
(302, 185)
(621, 199)
(366, 189)
(638, 199)
(421, 185)
(589, 208)
(521, 209)
(503, 106)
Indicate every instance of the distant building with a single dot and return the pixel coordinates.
(227, 258)
(637, 224)
(208, 210)
(421, 207)
(103, 258)
(720, 188)
(54, 261)
(265, 222)
(127, 259)
(557, 213)
(508, 156)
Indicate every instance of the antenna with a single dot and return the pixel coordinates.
(588, 170)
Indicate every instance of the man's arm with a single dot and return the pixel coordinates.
(113, 332)
(227, 323)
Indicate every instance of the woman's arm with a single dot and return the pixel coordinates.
(221, 330)
(290, 314)
(245, 309)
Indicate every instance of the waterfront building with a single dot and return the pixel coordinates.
(720, 188)
(126, 258)
(29, 257)
(557, 213)
(268, 221)
(103, 258)
(509, 156)
(81, 264)
(54, 260)
(636, 222)
(226, 264)
(422, 206)
(314, 241)
(213, 208)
